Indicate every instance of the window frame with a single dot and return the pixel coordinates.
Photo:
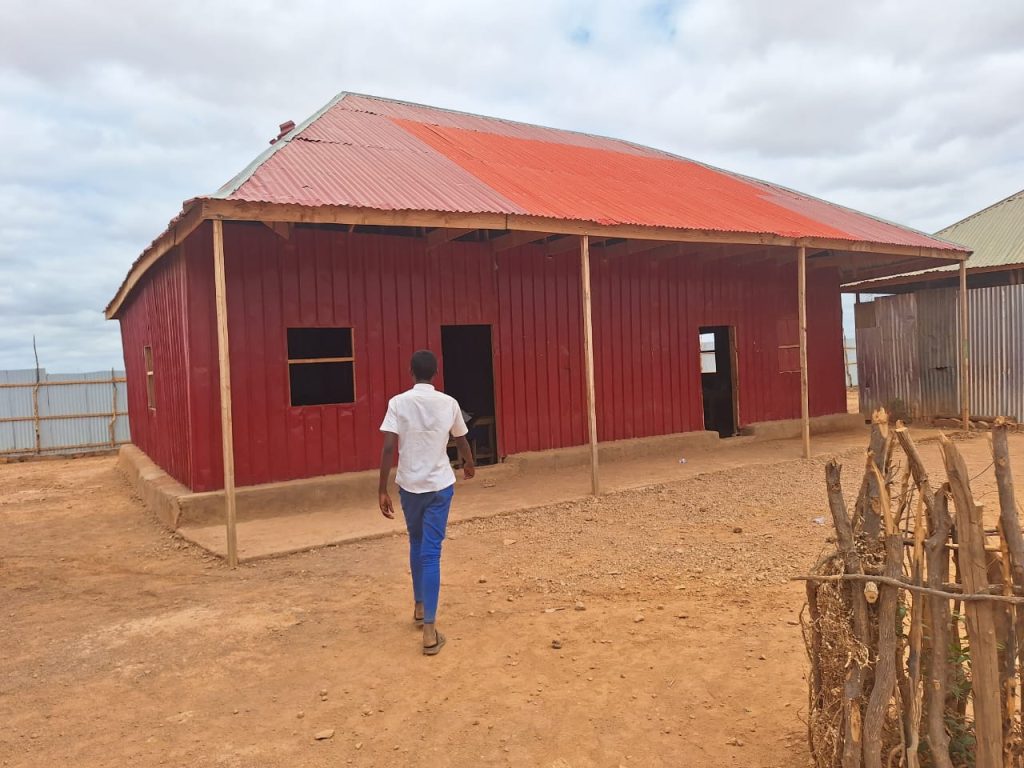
(308, 360)
(701, 352)
(149, 367)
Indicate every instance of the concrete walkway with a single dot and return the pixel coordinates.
(495, 492)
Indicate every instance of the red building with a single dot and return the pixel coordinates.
(376, 227)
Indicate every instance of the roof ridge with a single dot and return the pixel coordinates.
(983, 210)
(510, 121)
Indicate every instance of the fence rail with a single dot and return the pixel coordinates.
(43, 413)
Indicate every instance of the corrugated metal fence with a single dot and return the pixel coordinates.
(908, 352)
(48, 413)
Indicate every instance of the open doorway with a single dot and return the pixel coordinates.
(718, 379)
(469, 378)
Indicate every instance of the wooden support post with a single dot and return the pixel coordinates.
(588, 360)
(113, 409)
(805, 411)
(35, 416)
(965, 358)
(227, 437)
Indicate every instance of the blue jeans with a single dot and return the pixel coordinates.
(426, 517)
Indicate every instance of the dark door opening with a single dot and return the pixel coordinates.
(469, 378)
(718, 379)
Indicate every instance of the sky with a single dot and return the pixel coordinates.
(112, 113)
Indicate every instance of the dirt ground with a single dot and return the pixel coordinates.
(121, 644)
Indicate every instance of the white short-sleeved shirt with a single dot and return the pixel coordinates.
(423, 418)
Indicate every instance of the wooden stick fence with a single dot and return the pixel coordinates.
(37, 418)
(908, 667)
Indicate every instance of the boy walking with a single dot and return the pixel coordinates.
(420, 421)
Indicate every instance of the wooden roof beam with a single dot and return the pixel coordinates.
(442, 235)
(516, 239)
(199, 209)
(280, 228)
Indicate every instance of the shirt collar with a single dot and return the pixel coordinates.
(423, 387)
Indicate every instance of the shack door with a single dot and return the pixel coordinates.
(718, 379)
(466, 359)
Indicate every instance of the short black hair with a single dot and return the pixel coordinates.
(423, 365)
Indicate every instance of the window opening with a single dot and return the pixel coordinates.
(321, 366)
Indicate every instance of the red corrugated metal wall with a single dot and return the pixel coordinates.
(155, 317)
(648, 308)
(396, 296)
(392, 293)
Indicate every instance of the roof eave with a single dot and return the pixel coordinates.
(197, 210)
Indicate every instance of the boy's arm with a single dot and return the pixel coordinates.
(459, 431)
(387, 460)
(466, 454)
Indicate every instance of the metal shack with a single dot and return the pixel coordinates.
(577, 289)
(908, 343)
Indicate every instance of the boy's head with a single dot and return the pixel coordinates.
(423, 365)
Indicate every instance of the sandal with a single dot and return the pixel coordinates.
(433, 650)
(417, 620)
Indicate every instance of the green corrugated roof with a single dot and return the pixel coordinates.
(995, 234)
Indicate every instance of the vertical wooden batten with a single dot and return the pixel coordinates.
(227, 436)
(965, 359)
(805, 411)
(588, 360)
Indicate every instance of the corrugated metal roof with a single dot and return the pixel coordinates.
(995, 234)
(368, 152)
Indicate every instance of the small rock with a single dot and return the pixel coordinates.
(508, 542)
(481, 580)
(359, 745)
(556, 644)
(509, 598)
(323, 691)
(322, 735)
(234, 711)
(683, 616)
(638, 618)
(300, 714)
(734, 742)
(762, 657)
(737, 529)
(580, 606)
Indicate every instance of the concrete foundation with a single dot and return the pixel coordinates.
(177, 506)
(790, 428)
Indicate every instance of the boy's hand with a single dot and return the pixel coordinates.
(386, 508)
(469, 471)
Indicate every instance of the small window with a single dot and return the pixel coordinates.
(708, 363)
(789, 358)
(321, 368)
(147, 356)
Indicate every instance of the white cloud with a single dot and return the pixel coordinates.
(111, 115)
